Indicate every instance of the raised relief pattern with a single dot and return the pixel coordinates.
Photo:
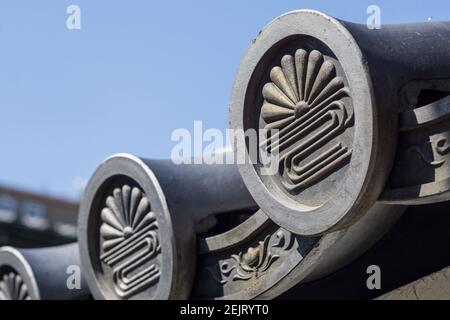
(434, 152)
(130, 241)
(305, 103)
(12, 287)
(256, 261)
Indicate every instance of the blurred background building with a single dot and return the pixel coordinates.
(35, 220)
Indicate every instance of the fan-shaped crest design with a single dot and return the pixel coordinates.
(305, 103)
(130, 241)
(12, 287)
(127, 211)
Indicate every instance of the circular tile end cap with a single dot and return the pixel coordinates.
(305, 75)
(17, 281)
(127, 243)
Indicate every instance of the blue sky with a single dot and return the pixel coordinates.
(135, 71)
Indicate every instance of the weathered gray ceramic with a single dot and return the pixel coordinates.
(264, 260)
(41, 274)
(139, 220)
(363, 127)
(423, 149)
(334, 90)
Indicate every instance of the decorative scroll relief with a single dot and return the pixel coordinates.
(12, 287)
(130, 242)
(305, 102)
(256, 261)
(439, 147)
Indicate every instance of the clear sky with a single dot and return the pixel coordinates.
(136, 70)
